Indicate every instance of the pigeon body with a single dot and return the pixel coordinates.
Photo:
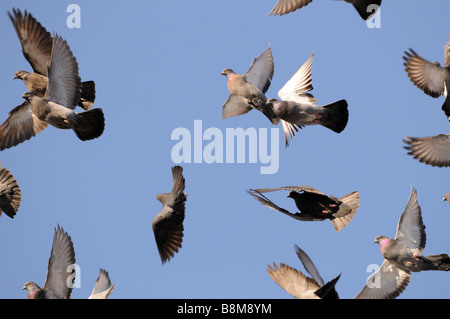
(10, 193)
(403, 255)
(432, 78)
(365, 8)
(297, 107)
(36, 44)
(56, 107)
(168, 224)
(300, 286)
(57, 283)
(247, 91)
(431, 150)
(314, 205)
(102, 288)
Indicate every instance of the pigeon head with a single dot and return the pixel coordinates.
(292, 194)
(32, 289)
(382, 241)
(226, 72)
(279, 107)
(27, 96)
(20, 74)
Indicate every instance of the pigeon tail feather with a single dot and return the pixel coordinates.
(90, 124)
(336, 116)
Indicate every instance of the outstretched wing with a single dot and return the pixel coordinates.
(299, 84)
(261, 71)
(35, 40)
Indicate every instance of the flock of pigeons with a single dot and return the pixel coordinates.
(55, 90)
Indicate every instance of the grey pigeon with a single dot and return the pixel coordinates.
(300, 286)
(432, 150)
(102, 288)
(168, 224)
(10, 193)
(248, 91)
(402, 255)
(446, 198)
(297, 107)
(365, 8)
(60, 277)
(431, 78)
(37, 49)
(314, 205)
(56, 107)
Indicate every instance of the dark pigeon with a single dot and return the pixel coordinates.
(60, 272)
(431, 78)
(247, 91)
(314, 205)
(168, 224)
(431, 150)
(403, 255)
(300, 286)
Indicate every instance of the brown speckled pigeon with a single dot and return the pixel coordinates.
(300, 286)
(248, 91)
(314, 205)
(168, 224)
(431, 78)
(102, 288)
(36, 44)
(365, 8)
(431, 150)
(10, 193)
(403, 255)
(60, 271)
(297, 107)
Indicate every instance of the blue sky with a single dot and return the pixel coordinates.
(157, 68)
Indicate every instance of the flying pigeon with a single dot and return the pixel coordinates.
(402, 255)
(248, 91)
(446, 198)
(433, 150)
(102, 288)
(10, 193)
(168, 224)
(59, 281)
(314, 205)
(56, 107)
(300, 286)
(365, 8)
(431, 78)
(297, 107)
(37, 49)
